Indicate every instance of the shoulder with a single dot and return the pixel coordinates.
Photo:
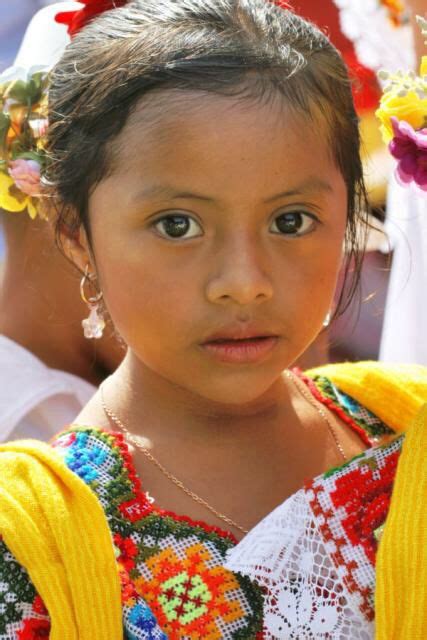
(394, 393)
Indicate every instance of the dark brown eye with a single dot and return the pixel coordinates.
(178, 226)
(293, 223)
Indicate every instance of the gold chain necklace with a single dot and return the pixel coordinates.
(165, 472)
(307, 395)
(116, 420)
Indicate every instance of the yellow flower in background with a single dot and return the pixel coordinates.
(404, 96)
(411, 108)
(13, 200)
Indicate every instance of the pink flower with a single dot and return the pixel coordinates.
(409, 147)
(26, 175)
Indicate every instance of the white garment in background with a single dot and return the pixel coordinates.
(381, 45)
(36, 401)
(404, 337)
(14, 18)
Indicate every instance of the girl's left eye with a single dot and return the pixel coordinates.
(293, 223)
(178, 226)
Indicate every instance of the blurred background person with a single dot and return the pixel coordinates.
(404, 332)
(389, 320)
(48, 369)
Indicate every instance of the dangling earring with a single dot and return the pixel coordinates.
(327, 320)
(94, 324)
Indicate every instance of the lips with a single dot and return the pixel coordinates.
(240, 346)
(234, 333)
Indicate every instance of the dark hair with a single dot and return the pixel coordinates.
(248, 48)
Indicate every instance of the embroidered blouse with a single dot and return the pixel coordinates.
(305, 571)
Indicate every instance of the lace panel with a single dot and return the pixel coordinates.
(305, 595)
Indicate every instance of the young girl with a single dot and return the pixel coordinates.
(206, 174)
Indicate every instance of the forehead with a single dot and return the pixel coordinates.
(221, 141)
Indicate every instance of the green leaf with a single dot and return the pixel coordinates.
(18, 90)
(29, 155)
(4, 128)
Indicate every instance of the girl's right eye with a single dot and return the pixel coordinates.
(178, 226)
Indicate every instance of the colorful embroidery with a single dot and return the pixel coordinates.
(168, 562)
(173, 579)
(350, 504)
(22, 613)
(369, 427)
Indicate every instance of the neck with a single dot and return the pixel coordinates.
(40, 307)
(148, 404)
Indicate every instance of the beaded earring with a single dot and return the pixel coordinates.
(327, 320)
(94, 324)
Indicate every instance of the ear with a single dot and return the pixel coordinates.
(76, 247)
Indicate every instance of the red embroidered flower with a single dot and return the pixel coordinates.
(39, 607)
(33, 629)
(129, 594)
(365, 495)
(135, 509)
(128, 551)
(76, 20)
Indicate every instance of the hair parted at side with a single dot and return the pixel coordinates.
(249, 48)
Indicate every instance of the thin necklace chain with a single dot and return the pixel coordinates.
(116, 420)
(307, 395)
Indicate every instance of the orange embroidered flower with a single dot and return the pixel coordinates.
(188, 596)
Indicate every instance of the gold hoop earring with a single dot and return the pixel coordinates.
(94, 324)
(327, 320)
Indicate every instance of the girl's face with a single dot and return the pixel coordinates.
(217, 240)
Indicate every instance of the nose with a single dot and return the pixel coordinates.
(240, 274)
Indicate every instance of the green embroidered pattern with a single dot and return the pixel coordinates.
(16, 591)
(365, 419)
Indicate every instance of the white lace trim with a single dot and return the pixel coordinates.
(305, 596)
(378, 43)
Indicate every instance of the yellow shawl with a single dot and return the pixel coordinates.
(56, 528)
(396, 394)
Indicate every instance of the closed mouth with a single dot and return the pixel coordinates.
(247, 350)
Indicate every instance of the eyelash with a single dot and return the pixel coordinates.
(185, 219)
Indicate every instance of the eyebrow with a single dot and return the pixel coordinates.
(166, 191)
(311, 185)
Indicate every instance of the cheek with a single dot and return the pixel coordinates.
(309, 283)
(314, 269)
(146, 299)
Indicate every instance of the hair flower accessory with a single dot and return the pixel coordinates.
(76, 20)
(409, 147)
(403, 117)
(26, 175)
(23, 123)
